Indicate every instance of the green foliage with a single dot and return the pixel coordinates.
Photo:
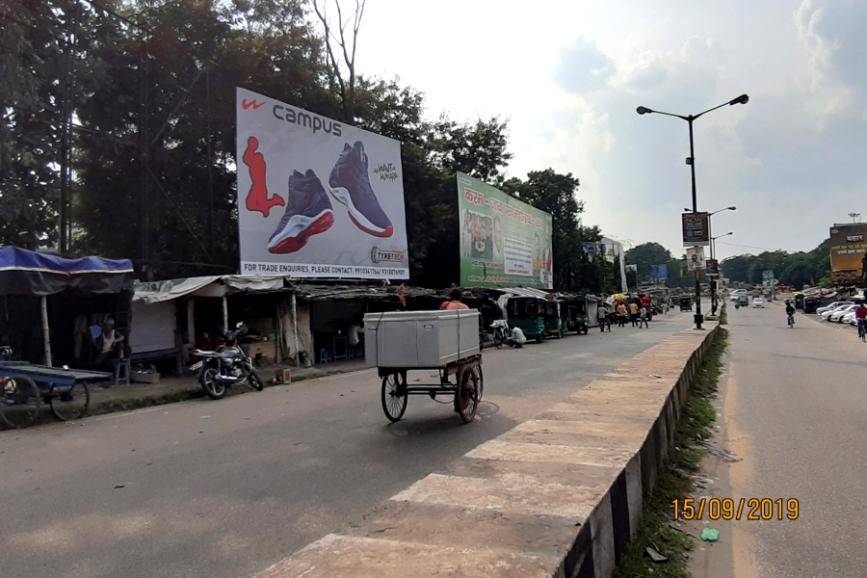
(795, 269)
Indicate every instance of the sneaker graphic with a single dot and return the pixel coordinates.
(258, 198)
(308, 212)
(350, 185)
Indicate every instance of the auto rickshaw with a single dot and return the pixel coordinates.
(528, 314)
(685, 303)
(573, 309)
(553, 320)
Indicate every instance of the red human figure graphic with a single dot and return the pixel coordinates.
(258, 198)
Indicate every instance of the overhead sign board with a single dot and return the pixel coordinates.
(504, 242)
(712, 266)
(695, 229)
(316, 197)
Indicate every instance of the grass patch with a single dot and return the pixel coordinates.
(696, 425)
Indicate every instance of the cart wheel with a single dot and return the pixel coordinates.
(69, 401)
(468, 394)
(255, 381)
(20, 401)
(394, 396)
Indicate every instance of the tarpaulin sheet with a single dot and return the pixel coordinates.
(157, 291)
(26, 272)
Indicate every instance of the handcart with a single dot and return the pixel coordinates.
(24, 387)
(447, 341)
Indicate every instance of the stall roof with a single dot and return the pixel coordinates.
(205, 286)
(26, 272)
(315, 292)
(527, 292)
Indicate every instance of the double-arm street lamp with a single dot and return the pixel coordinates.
(690, 160)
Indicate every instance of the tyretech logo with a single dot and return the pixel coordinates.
(378, 255)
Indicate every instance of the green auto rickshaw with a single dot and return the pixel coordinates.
(527, 314)
(553, 319)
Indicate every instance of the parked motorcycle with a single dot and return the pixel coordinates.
(229, 365)
(500, 329)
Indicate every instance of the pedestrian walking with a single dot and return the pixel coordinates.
(643, 318)
(603, 319)
(633, 313)
(621, 315)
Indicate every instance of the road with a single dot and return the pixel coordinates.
(226, 488)
(794, 407)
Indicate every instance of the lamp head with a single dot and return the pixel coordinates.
(643, 110)
(732, 208)
(742, 99)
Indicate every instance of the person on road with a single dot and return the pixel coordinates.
(633, 313)
(643, 316)
(602, 318)
(518, 338)
(861, 320)
(621, 315)
(790, 313)
(454, 301)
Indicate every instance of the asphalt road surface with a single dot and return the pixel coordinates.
(226, 488)
(794, 406)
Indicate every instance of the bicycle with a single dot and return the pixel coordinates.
(862, 330)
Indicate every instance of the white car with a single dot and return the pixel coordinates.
(837, 315)
(831, 306)
(733, 296)
(758, 302)
(828, 312)
(849, 318)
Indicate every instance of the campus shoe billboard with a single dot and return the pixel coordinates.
(316, 197)
(504, 242)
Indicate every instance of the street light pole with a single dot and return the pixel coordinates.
(742, 99)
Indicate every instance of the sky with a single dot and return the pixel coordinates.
(568, 77)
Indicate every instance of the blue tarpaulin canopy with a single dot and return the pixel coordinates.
(25, 272)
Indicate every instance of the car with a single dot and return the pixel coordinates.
(758, 302)
(837, 315)
(830, 306)
(733, 295)
(828, 312)
(850, 318)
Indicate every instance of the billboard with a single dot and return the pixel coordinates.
(848, 249)
(316, 197)
(504, 242)
(695, 229)
(695, 258)
(658, 273)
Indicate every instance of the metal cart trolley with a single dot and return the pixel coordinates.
(24, 387)
(448, 341)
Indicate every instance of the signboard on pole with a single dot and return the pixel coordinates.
(504, 242)
(848, 252)
(316, 197)
(712, 267)
(695, 258)
(695, 229)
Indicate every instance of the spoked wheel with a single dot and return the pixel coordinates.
(394, 395)
(468, 393)
(20, 401)
(209, 383)
(254, 381)
(69, 401)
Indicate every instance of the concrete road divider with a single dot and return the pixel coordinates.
(558, 495)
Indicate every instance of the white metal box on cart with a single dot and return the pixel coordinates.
(420, 338)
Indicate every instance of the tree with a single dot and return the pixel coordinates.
(337, 37)
(647, 255)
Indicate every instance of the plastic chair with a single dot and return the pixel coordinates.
(119, 364)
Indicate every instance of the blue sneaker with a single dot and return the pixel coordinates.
(350, 185)
(308, 212)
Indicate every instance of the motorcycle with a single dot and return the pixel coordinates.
(500, 329)
(229, 365)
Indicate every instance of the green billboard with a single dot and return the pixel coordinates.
(504, 242)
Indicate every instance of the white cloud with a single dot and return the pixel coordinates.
(568, 76)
